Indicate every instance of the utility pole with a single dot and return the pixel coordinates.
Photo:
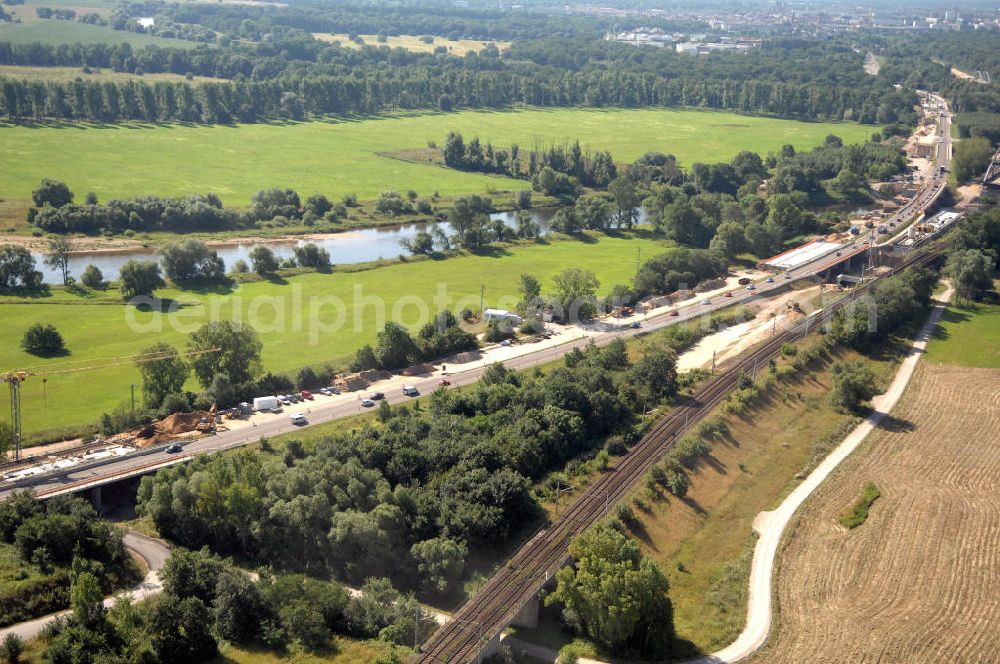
(416, 625)
(713, 361)
(559, 490)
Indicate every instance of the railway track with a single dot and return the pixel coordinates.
(501, 598)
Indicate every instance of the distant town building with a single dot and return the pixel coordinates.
(642, 37)
(731, 46)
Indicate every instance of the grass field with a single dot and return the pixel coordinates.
(335, 158)
(412, 43)
(64, 74)
(51, 31)
(97, 327)
(968, 336)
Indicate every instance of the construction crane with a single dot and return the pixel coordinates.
(15, 378)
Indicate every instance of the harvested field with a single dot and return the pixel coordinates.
(919, 581)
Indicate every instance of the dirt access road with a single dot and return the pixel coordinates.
(919, 581)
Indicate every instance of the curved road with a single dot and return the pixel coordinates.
(153, 551)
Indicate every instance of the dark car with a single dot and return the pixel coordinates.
(375, 396)
(173, 449)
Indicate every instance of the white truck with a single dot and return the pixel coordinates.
(410, 391)
(262, 404)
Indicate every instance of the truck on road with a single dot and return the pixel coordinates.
(265, 403)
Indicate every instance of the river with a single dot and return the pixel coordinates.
(347, 247)
(354, 246)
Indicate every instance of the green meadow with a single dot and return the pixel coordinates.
(336, 157)
(97, 326)
(968, 336)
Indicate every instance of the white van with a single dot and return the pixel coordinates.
(410, 391)
(297, 418)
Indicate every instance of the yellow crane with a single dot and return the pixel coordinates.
(16, 377)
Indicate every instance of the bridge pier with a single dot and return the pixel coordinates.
(528, 615)
(95, 499)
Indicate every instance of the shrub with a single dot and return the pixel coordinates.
(12, 648)
(859, 511)
(92, 277)
(53, 193)
(42, 340)
(689, 450)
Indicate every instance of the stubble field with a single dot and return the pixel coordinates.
(918, 581)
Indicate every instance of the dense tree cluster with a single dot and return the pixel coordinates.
(367, 502)
(206, 600)
(886, 306)
(290, 75)
(591, 170)
(722, 205)
(191, 260)
(972, 157)
(55, 536)
(147, 213)
(979, 124)
(615, 594)
(678, 268)
(17, 268)
(395, 348)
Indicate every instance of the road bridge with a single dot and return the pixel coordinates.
(991, 178)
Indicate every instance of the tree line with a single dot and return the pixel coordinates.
(54, 211)
(414, 89)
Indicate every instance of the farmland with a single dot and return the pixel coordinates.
(411, 43)
(916, 581)
(51, 31)
(96, 326)
(339, 157)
